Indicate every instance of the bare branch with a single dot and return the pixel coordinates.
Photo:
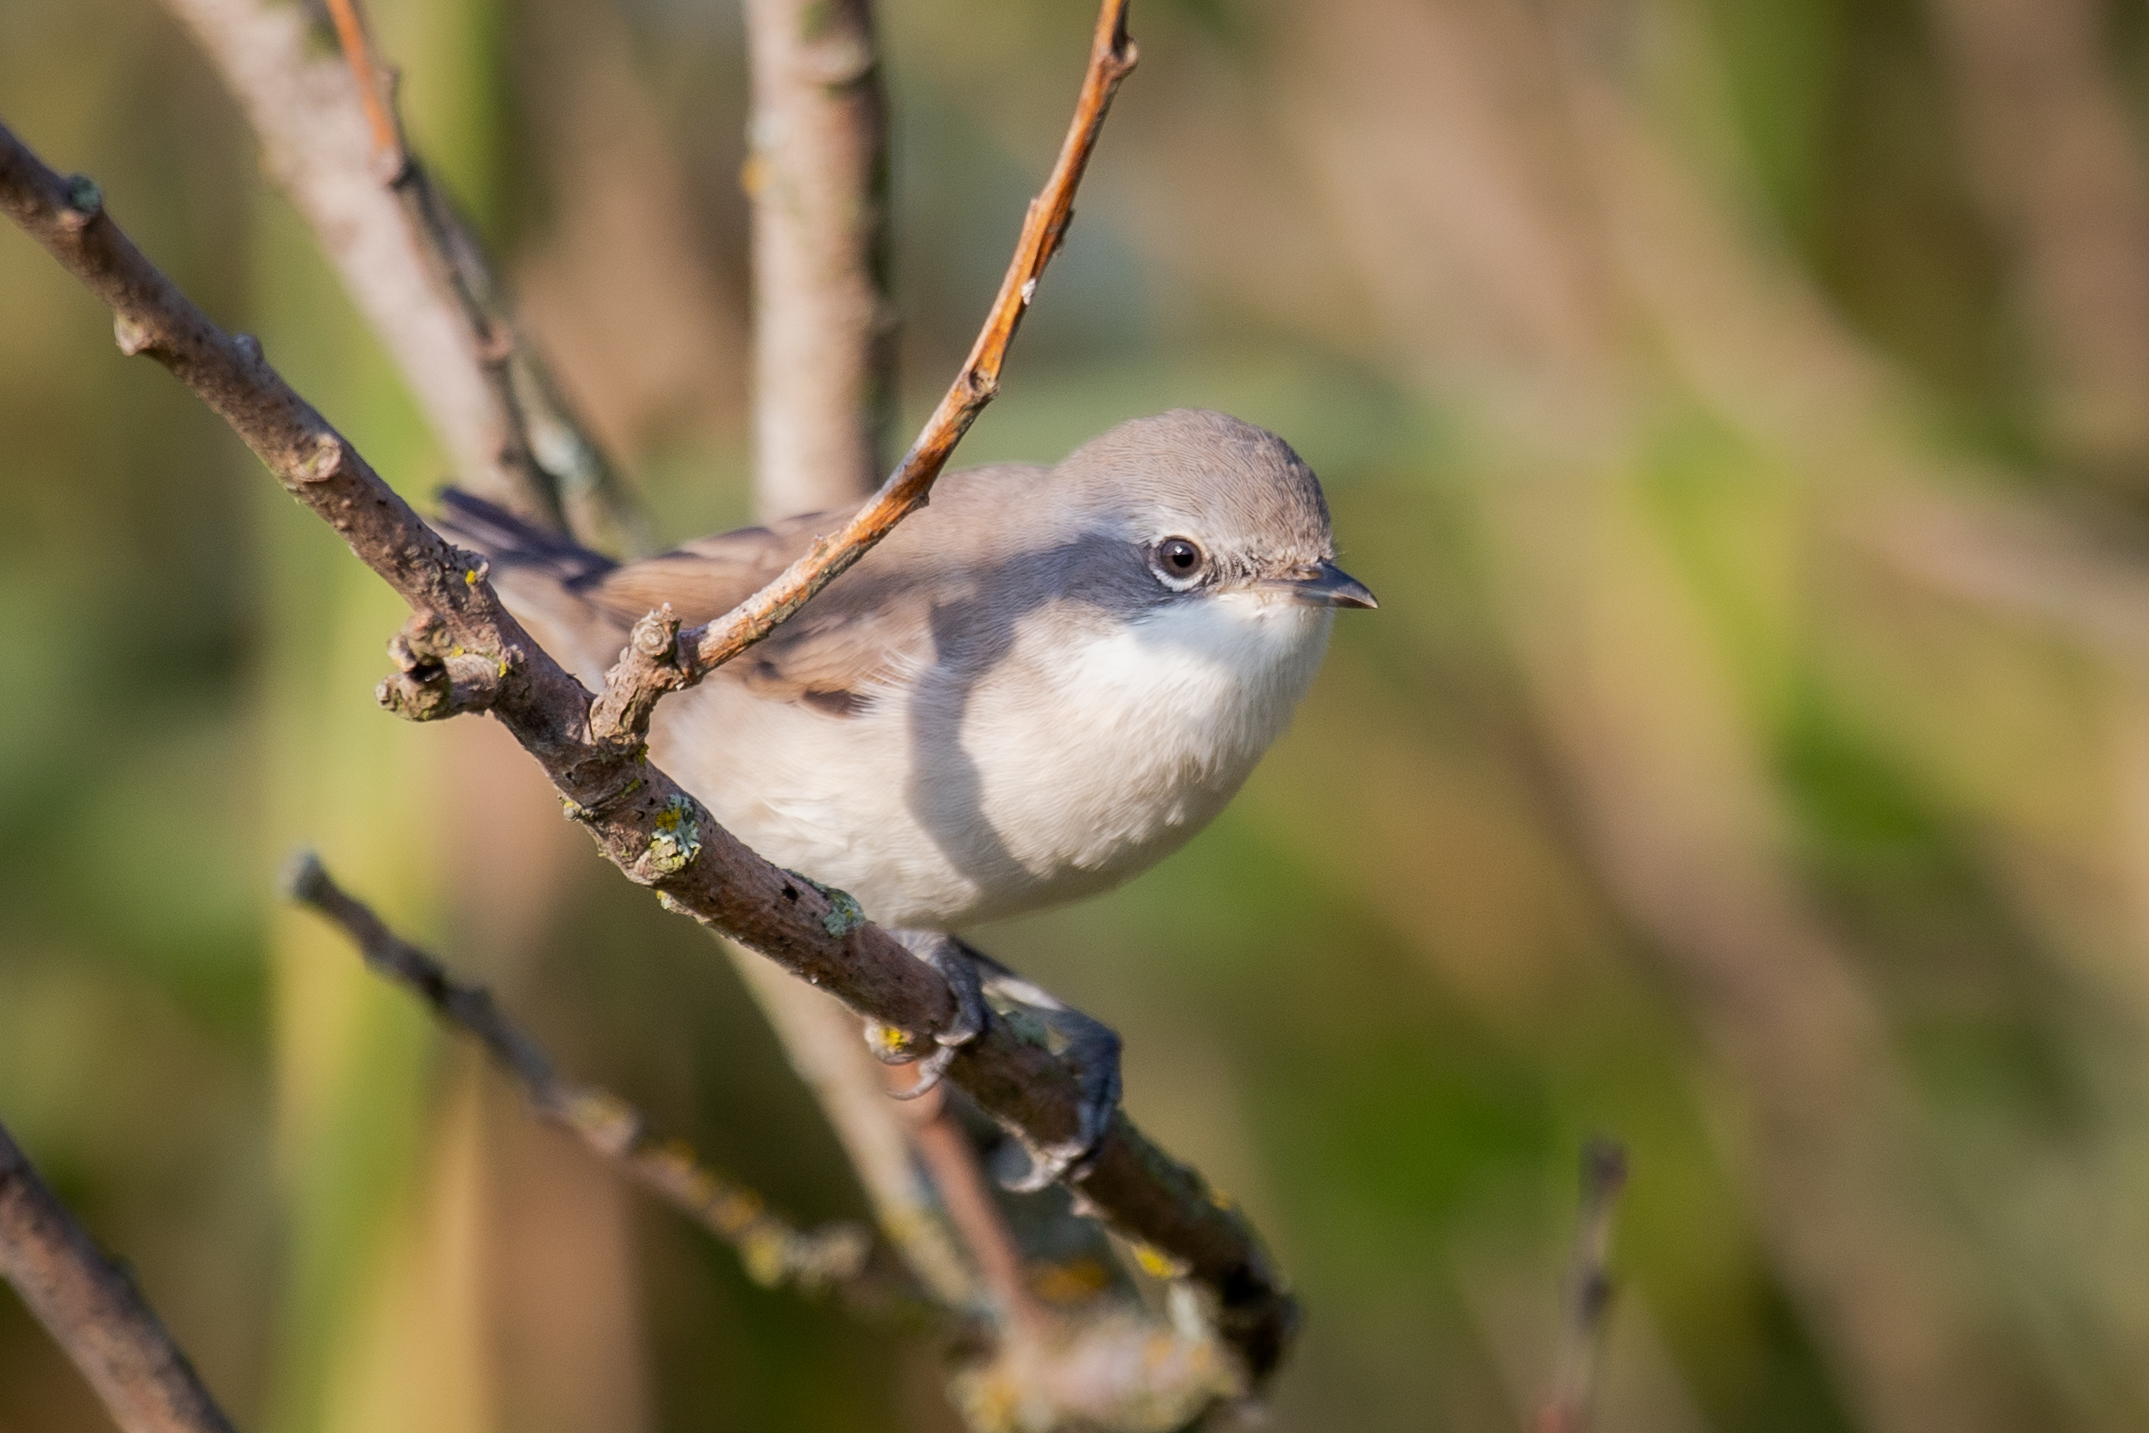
(555, 455)
(773, 1250)
(92, 1310)
(1589, 1292)
(645, 823)
(316, 145)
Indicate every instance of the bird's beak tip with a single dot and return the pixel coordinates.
(1330, 586)
(1338, 588)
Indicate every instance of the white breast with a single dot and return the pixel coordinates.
(1083, 756)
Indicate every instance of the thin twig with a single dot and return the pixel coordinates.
(470, 651)
(774, 1250)
(945, 1151)
(317, 144)
(704, 649)
(374, 95)
(92, 1310)
(1589, 1292)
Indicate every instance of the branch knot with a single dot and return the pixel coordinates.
(438, 677)
(653, 663)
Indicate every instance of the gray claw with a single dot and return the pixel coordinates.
(1091, 1046)
(953, 960)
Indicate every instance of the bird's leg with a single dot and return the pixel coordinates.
(1089, 1045)
(953, 960)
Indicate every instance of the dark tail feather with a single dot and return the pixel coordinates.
(512, 541)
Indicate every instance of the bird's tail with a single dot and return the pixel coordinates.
(541, 576)
(514, 542)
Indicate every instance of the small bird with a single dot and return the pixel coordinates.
(1038, 685)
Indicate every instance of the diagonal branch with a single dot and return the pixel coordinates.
(773, 1249)
(702, 650)
(556, 457)
(643, 821)
(92, 1310)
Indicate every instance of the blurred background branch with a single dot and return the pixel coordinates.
(773, 1250)
(93, 1311)
(1730, 403)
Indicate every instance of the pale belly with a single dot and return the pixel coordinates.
(947, 804)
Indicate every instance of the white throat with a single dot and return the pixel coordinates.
(1094, 762)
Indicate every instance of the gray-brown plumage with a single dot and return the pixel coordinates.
(1035, 687)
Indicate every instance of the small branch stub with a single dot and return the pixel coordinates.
(654, 662)
(436, 677)
(1589, 1292)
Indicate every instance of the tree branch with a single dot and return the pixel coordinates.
(773, 1250)
(704, 649)
(92, 1310)
(643, 821)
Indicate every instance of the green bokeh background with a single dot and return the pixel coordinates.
(1691, 785)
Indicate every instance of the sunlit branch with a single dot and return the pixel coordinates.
(465, 652)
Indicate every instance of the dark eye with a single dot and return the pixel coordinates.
(1178, 560)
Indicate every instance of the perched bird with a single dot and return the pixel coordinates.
(1040, 684)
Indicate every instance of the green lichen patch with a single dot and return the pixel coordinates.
(844, 914)
(678, 839)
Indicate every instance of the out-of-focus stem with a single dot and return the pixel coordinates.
(817, 175)
(1589, 1292)
(2053, 158)
(93, 1311)
(817, 172)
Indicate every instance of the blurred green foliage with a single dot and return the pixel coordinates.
(1626, 600)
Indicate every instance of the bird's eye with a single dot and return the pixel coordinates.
(1178, 561)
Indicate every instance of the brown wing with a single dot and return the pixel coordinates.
(857, 632)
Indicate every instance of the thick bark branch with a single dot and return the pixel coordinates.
(93, 1311)
(772, 1248)
(645, 823)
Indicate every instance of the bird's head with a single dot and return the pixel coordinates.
(1214, 506)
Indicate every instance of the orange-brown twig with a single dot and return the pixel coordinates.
(1111, 57)
(372, 89)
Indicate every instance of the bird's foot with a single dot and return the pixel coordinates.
(1087, 1043)
(953, 960)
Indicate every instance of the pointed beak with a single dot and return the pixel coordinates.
(1324, 585)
